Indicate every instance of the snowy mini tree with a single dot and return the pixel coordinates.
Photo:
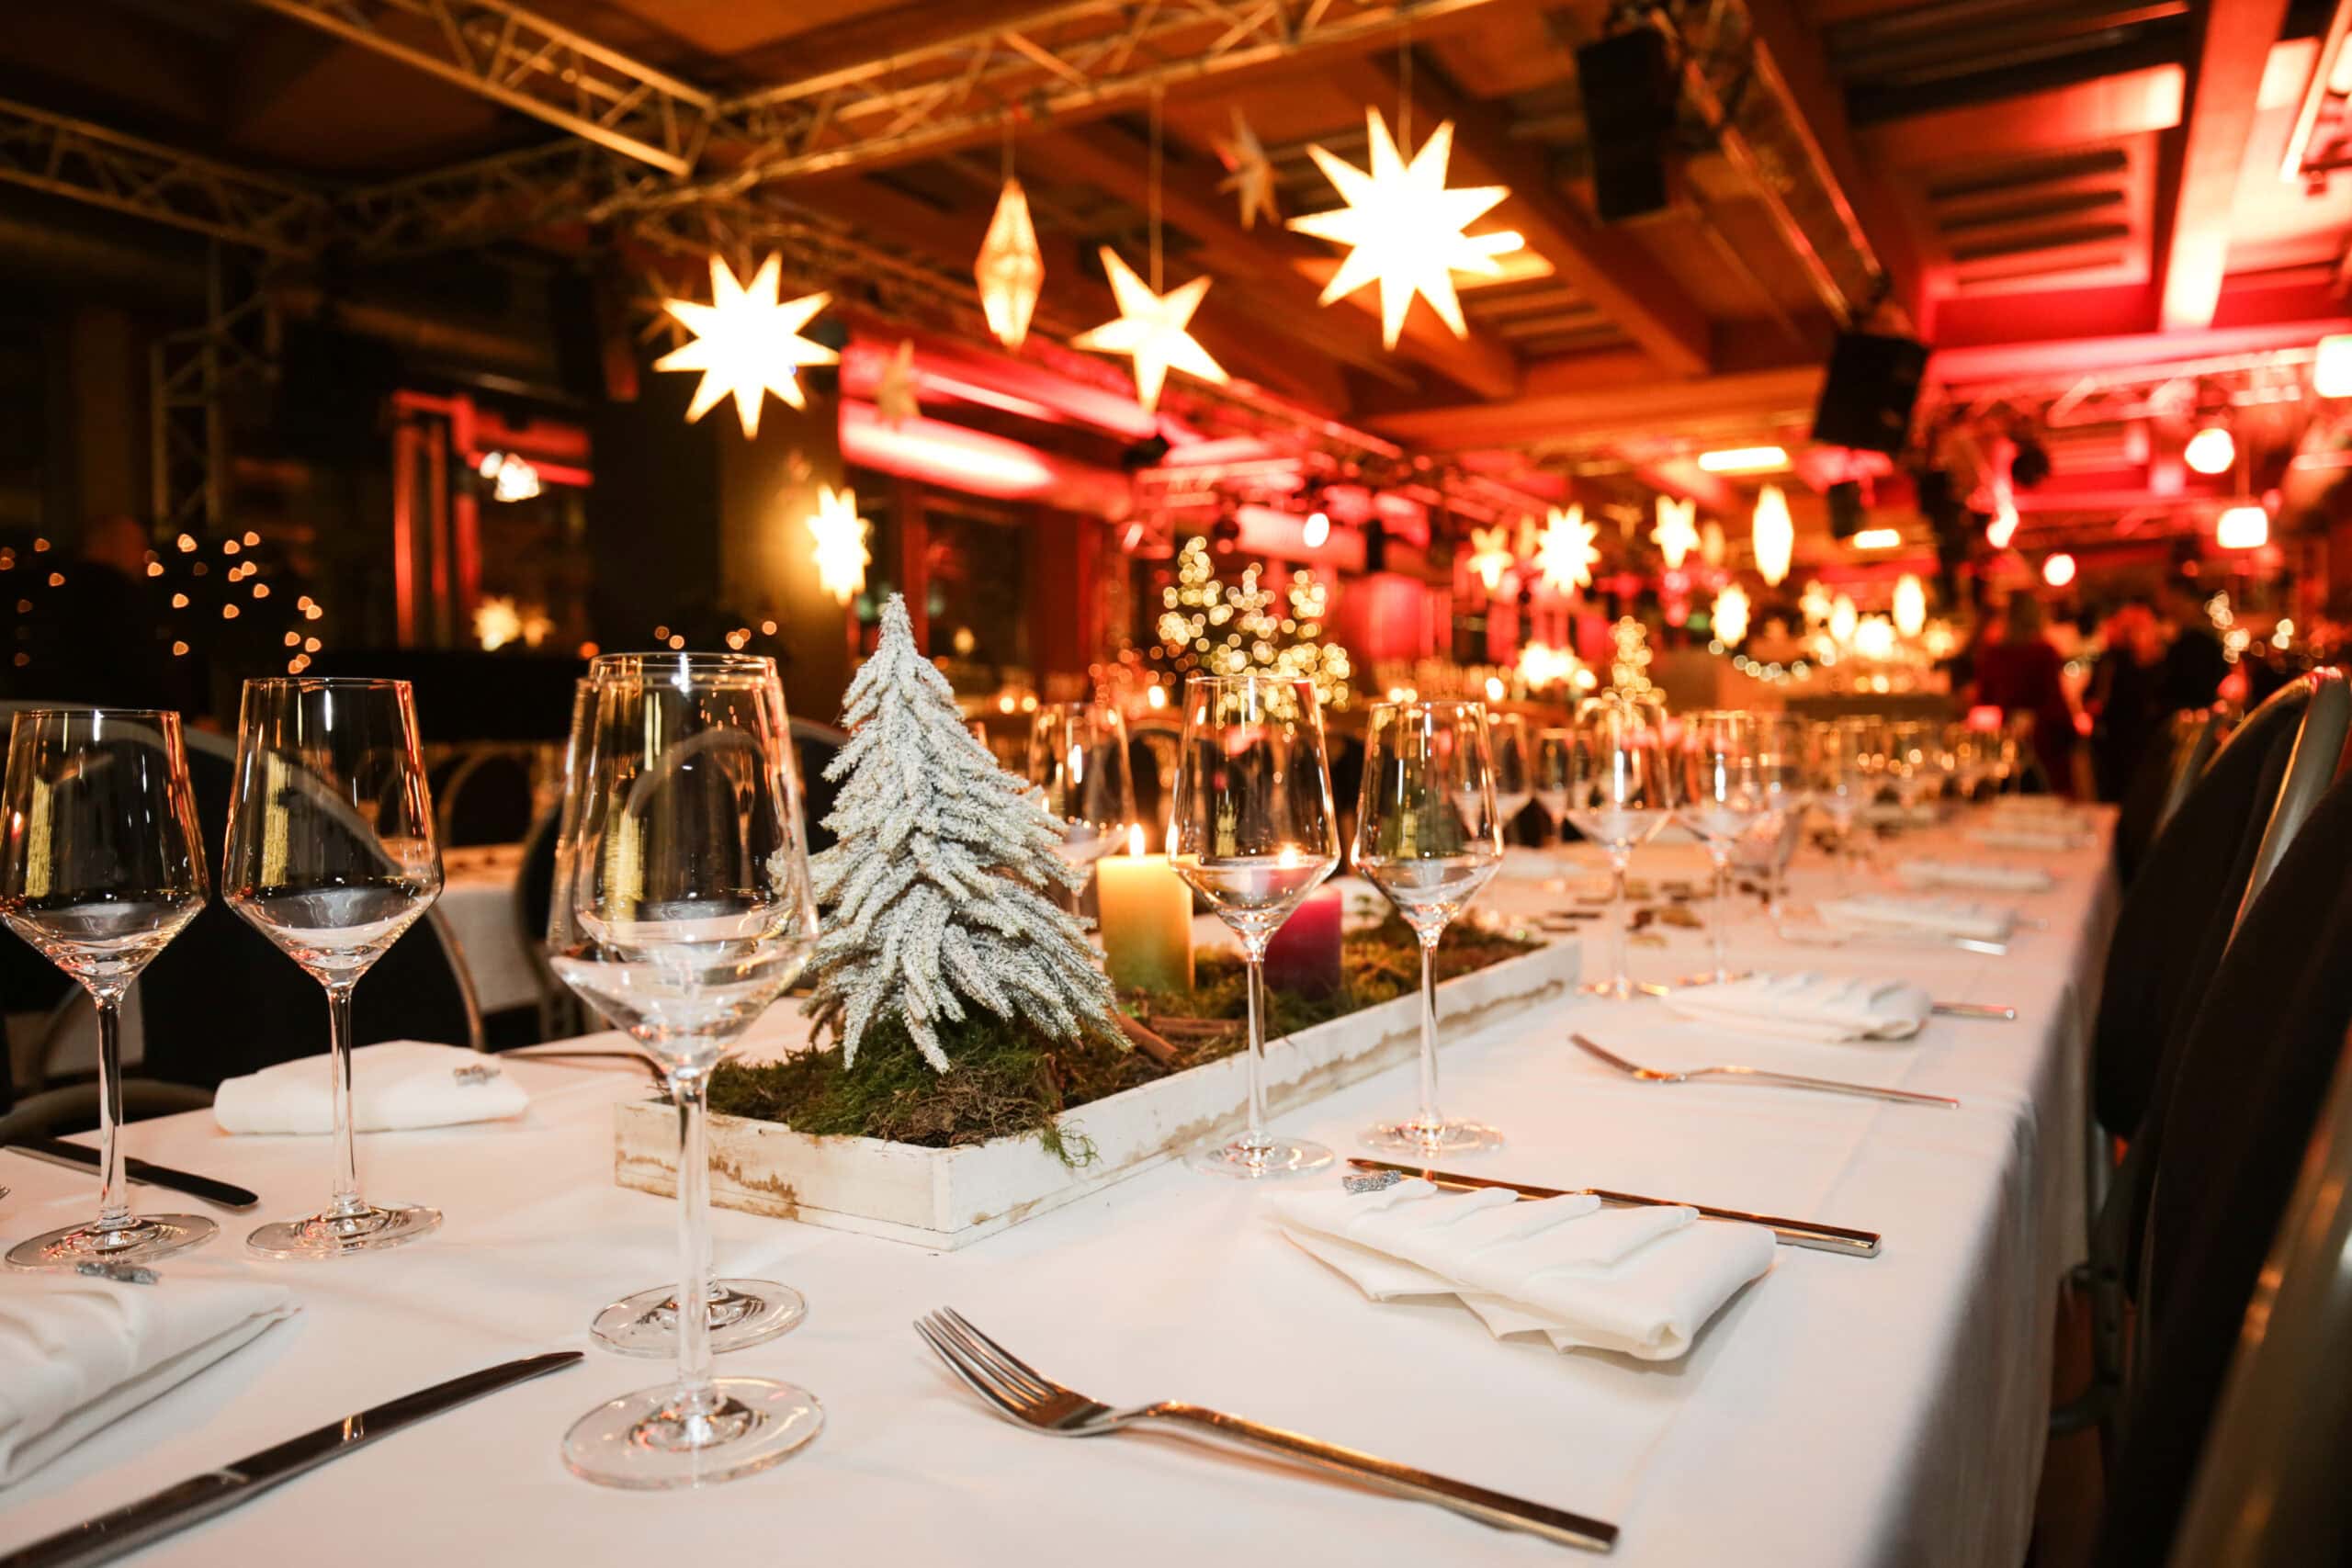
(936, 895)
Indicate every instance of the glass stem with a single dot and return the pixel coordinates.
(1254, 1138)
(114, 1192)
(696, 1398)
(1722, 910)
(1431, 1121)
(1620, 982)
(346, 1200)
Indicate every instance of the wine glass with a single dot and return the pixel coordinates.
(1910, 767)
(1619, 795)
(1721, 792)
(1843, 781)
(1969, 763)
(1514, 767)
(1252, 830)
(98, 871)
(1078, 755)
(1784, 770)
(687, 883)
(331, 856)
(1429, 835)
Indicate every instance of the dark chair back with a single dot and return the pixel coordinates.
(486, 799)
(2160, 781)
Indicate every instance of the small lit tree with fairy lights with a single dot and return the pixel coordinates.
(1210, 627)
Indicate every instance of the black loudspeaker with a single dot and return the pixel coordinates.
(1866, 398)
(1628, 103)
(1845, 508)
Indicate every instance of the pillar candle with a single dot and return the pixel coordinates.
(1146, 923)
(1303, 956)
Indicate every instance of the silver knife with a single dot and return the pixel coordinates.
(80, 1156)
(134, 1524)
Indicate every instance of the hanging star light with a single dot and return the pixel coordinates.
(1676, 534)
(1406, 228)
(1710, 543)
(894, 389)
(1490, 554)
(1010, 270)
(839, 534)
(1774, 535)
(1910, 606)
(1731, 614)
(745, 342)
(1150, 329)
(1252, 172)
(1566, 554)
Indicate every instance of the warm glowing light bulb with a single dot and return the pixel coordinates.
(1730, 617)
(2059, 570)
(1910, 606)
(1745, 460)
(2003, 528)
(1878, 538)
(2210, 451)
(2332, 365)
(1317, 528)
(2243, 528)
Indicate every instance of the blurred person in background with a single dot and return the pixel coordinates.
(2125, 705)
(2021, 674)
(2193, 664)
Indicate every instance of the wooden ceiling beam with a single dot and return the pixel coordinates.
(1601, 397)
(1607, 265)
(2233, 50)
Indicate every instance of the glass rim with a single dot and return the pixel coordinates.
(1252, 677)
(717, 660)
(327, 682)
(95, 710)
(1432, 704)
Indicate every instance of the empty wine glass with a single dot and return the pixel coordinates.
(1548, 775)
(690, 913)
(1078, 755)
(1843, 781)
(1619, 795)
(1909, 764)
(1784, 770)
(331, 856)
(1428, 834)
(1721, 796)
(1514, 766)
(1252, 830)
(98, 871)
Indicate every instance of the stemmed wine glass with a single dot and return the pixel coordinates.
(1784, 771)
(331, 856)
(98, 871)
(1078, 755)
(1428, 834)
(687, 882)
(1910, 765)
(1619, 793)
(1252, 830)
(1514, 767)
(1721, 794)
(1842, 782)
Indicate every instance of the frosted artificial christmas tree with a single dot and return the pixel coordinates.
(936, 896)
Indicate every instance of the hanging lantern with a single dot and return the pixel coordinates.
(1910, 606)
(1011, 269)
(1774, 535)
(1731, 615)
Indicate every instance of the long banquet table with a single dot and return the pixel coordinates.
(1839, 1412)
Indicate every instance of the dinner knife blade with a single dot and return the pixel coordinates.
(80, 1156)
(1809, 1233)
(111, 1535)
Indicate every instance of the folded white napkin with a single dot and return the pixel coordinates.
(1642, 1281)
(75, 1352)
(1807, 1007)
(2022, 837)
(1894, 814)
(1911, 912)
(400, 1084)
(1924, 873)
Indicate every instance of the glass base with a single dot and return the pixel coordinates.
(642, 1440)
(1621, 989)
(1451, 1136)
(1278, 1158)
(369, 1228)
(145, 1239)
(1712, 977)
(742, 1312)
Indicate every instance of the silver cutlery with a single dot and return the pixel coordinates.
(80, 1156)
(1760, 1076)
(1019, 1393)
(1809, 1233)
(1834, 936)
(1949, 1010)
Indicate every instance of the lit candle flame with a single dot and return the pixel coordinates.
(1135, 838)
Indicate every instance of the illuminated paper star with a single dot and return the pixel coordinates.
(839, 534)
(1010, 270)
(1151, 329)
(1566, 555)
(1253, 172)
(1676, 534)
(1490, 553)
(1731, 614)
(894, 389)
(745, 342)
(1406, 228)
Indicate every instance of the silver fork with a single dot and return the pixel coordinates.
(1019, 1393)
(1760, 1076)
(1949, 1010)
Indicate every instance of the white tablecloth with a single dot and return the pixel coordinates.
(478, 900)
(1840, 1412)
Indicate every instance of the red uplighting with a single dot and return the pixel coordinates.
(2059, 570)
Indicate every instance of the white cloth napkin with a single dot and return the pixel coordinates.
(1910, 912)
(1807, 1007)
(1642, 1281)
(1925, 873)
(1894, 814)
(398, 1084)
(75, 1353)
(2018, 836)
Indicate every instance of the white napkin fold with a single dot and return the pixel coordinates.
(398, 1084)
(1642, 1281)
(1991, 874)
(2018, 836)
(1807, 1007)
(1894, 814)
(75, 1353)
(1909, 912)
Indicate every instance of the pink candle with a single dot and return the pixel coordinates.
(1304, 957)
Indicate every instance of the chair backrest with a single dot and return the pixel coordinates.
(2311, 767)
(2269, 1488)
(486, 799)
(2178, 916)
(2160, 781)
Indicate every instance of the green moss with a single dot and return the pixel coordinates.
(1010, 1081)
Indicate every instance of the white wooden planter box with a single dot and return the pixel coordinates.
(949, 1198)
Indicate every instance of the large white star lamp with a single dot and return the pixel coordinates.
(745, 342)
(1151, 330)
